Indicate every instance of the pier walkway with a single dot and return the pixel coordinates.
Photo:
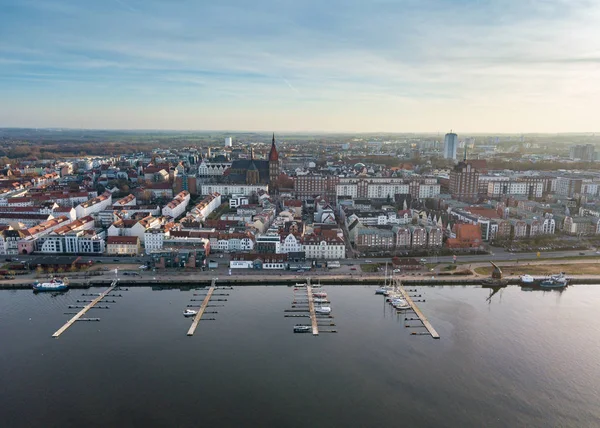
(202, 308)
(311, 309)
(417, 311)
(86, 308)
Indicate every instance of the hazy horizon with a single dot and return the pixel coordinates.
(311, 132)
(409, 66)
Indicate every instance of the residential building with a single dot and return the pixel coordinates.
(567, 186)
(582, 152)
(123, 245)
(201, 211)
(403, 237)
(323, 246)
(129, 200)
(94, 205)
(177, 206)
(418, 236)
(464, 182)
(375, 238)
(435, 236)
(309, 186)
(232, 189)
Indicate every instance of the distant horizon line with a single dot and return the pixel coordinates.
(225, 131)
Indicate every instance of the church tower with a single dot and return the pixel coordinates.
(273, 167)
(252, 173)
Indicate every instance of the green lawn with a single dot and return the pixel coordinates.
(373, 267)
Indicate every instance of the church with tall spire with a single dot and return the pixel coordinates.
(274, 168)
(256, 171)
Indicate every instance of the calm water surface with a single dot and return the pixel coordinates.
(522, 359)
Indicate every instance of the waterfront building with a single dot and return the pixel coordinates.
(123, 245)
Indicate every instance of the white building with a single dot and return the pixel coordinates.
(428, 190)
(232, 189)
(212, 169)
(228, 142)
(548, 225)
(134, 227)
(153, 240)
(78, 237)
(318, 247)
(501, 188)
(94, 205)
(177, 206)
(210, 203)
(129, 200)
(290, 244)
(238, 200)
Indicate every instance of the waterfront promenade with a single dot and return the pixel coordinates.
(430, 275)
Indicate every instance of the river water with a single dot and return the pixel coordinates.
(520, 359)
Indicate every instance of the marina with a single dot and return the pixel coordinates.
(402, 301)
(86, 308)
(306, 305)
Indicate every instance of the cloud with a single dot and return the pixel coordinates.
(372, 60)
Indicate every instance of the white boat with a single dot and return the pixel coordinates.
(527, 279)
(555, 281)
(189, 313)
(320, 294)
(300, 285)
(382, 290)
(53, 285)
(399, 303)
(323, 310)
(298, 328)
(320, 300)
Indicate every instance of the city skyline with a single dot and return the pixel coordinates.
(498, 67)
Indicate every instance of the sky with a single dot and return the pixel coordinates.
(498, 66)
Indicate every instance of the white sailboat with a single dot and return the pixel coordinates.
(385, 290)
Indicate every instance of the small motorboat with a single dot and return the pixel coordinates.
(302, 328)
(53, 285)
(382, 290)
(300, 285)
(189, 313)
(320, 294)
(320, 300)
(527, 279)
(323, 310)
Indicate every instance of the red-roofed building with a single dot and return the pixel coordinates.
(468, 236)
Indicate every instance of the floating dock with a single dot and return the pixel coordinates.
(311, 309)
(85, 309)
(202, 309)
(418, 312)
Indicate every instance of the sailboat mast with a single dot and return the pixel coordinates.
(385, 277)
